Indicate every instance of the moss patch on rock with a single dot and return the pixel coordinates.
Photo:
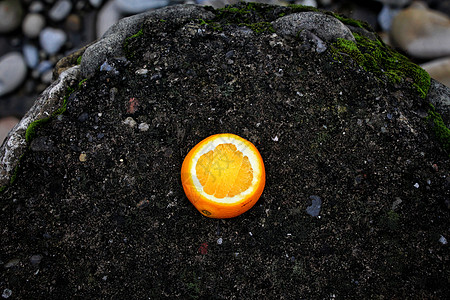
(376, 57)
(440, 129)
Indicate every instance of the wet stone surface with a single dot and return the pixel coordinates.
(99, 199)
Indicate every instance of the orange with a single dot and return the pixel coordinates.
(223, 176)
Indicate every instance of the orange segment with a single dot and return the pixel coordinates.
(223, 176)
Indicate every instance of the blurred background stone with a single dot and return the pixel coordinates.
(439, 69)
(421, 32)
(6, 124)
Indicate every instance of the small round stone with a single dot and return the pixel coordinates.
(35, 259)
(13, 71)
(60, 10)
(52, 39)
(10, 15)
(143, 127)
(33, 24)
(138, 6)
(73, 23)
(31, 54)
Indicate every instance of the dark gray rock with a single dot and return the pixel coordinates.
(439, 96)
(324, 26)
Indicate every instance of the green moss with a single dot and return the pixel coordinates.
(297, 8)
(251, 15)
(352, 22)
(79, 60)
(378, 58)
(257, 16)
(438, 126)
(31, 129)
(260, 27)
(127, 41)
(80, 84)
(390, 221)
(30, 133)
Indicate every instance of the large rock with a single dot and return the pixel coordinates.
(355, 203)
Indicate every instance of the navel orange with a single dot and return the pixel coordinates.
(223, 176)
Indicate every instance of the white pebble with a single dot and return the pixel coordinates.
(6, 293)
(141, 72)
(143, 127)
(130, 122)
(32, 25)
(13, 71)
(219, 241)
(443, 240)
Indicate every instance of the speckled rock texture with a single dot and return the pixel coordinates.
(356, 203)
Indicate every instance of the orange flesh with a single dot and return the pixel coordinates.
(224, 171)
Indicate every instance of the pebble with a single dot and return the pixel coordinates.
(6, 293)
(314, 208)
(141, 72)
(130, 122)
(73, 23)
(83, 157)
(35, 259)
(386, 16)
(60, 10)
(31, 55)
(138, 6)
(83, 117)
(12, 263)
(421, 32)
(32, 25)
(143, 127)
(52, 39)
(312, 3)
(439, 70)
(36, 7)
(42, 67)
(13, 71)
(219, 241)
(324, 27)
(95, 3)
(107, 16)
(10, 15)
(443, 240)
(6, 124)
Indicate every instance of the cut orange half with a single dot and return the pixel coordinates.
(223, 176)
